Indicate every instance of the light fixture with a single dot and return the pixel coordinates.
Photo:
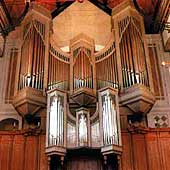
(165, 63)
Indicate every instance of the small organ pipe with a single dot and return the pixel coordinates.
(38, 60)
(57, 120)
(131, 49)
(38, 66)
(49, 72)
(62, 126)
(53, 69)
(59, 115)
(124, 65)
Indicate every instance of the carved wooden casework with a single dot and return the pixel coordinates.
(29, 101)
(110, 121)
(85, 89)
(56, 123)
(166, 39)
(138, 99)
(83, 115)
(31, 81)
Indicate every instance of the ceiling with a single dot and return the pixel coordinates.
(154, 11)
(16, 7)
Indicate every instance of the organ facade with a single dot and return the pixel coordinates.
(83, 107)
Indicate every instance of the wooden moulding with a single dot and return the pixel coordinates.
(55, 150)
(112, 149)
(121, 6)
(166, 40)
(138, 98)
(83, 96)
(29, 101)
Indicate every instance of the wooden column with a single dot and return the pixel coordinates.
(119, 162)
(62, 162)
(105, 162)
(49, 161)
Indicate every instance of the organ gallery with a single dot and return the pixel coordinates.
(84, 85)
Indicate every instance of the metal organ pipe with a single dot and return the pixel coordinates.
(38, 65)
(58, 122)
(132, 52)
(62, 126)
(32, 57)
(114, 121)
(133, 56)
(106, 69)
(128, 55)
(37, 61)
(58, 70)
(82, 69)
(109, 120)
(34, 63)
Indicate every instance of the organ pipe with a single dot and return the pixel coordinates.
(106, 70)
(56, 120)
(82, 69)
(133, 59)
(109, 117)
(59, 68)
(32, 57)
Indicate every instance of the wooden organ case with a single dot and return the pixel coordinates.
(85, 89)
(77, 102)
(32, 67)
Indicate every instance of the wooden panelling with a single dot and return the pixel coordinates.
(5, 152)
(153, 150)
(150, 151)
(11, 75)
(83, 163)
(31, 153)
(139, 152)
(42, 156)
(157, 81)
(18, 152)
(127, 162)
(165, 149)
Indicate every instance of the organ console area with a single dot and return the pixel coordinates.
(83, 90)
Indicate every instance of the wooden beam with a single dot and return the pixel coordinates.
(2, 3)
(60, 8)
(11, 25)
(102, 6)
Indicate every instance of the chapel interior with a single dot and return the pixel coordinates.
(84, 85)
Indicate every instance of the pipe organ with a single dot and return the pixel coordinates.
(109, 117)
(82, 69)
(59, 69)
(106, 67)
(84, 88)
(133, 58)
(32, 56)
(56, 119)
(82, 63)
(128, 28)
